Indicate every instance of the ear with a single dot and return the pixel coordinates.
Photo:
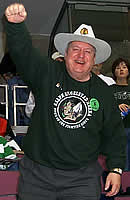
(94, 60)
(65, 55)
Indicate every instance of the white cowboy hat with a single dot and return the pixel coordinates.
(84, 34)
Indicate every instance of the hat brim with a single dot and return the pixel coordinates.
(103, 49)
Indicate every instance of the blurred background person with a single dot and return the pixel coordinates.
(30, 105)
(96, 69)
(57, 56)
(121, 74)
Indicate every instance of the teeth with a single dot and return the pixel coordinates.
(81, 62)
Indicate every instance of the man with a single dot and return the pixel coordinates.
(75, 117)
(97, 70)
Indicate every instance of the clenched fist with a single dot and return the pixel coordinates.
(15, 13)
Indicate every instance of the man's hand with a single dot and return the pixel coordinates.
(113, 180)
(15, 13)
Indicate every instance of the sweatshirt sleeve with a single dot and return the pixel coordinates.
(29, 63)
(114, 136)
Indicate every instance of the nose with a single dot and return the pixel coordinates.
(81, 53)
(122, 68)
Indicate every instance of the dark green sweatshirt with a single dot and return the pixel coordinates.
(73, 122)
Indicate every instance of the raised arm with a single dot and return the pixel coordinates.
(15, 13)
(27, 58)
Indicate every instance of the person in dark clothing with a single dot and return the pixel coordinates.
(121, 90)
(75, 117)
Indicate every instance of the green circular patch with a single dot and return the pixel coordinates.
(94, 104)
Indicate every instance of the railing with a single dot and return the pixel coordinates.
(17, 103)
(5, 101)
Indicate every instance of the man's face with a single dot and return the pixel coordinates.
(79, 58)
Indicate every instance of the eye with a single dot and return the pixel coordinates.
(75, 49)
(124, 67)
(88, 51)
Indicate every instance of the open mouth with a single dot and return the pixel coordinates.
(79, 62)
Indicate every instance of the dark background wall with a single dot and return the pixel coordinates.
(42, 16)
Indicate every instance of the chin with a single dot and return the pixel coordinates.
(79, 71)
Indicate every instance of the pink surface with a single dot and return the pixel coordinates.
(125, 181)
(122, 198)
(8, 182)
(13, 197)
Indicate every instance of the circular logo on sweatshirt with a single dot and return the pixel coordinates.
(72, 109)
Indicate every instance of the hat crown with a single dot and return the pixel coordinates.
(85, 30)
